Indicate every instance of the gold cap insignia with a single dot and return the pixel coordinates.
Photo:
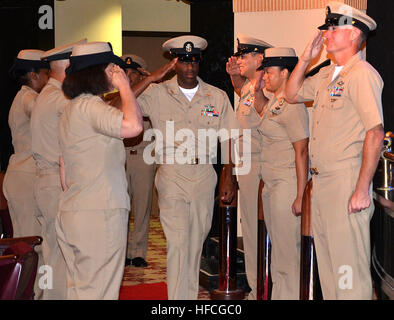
(189, 47)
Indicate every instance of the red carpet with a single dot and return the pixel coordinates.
(149, 291)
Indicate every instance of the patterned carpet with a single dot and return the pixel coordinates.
(156, 258)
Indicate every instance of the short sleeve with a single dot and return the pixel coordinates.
(28, 102)
(61, 101)
(296, 122)
(105, 119)
(146, 100)
(308, 88)
(228, 118)
(365, 91)
(228, 121)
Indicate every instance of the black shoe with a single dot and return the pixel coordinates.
(127, 262)
(139, 262)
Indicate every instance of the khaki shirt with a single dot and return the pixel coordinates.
(248, 118)
(45, 116)
(19, 122)
(210, 108)
(343, 110)
(281, 126)
(94, 156)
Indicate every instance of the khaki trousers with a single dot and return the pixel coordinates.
(18, 189)
(342, 240)
(248, 197)
(94, 246)
(186, 201)
(284, 230)
(140, 177)
(47, 190)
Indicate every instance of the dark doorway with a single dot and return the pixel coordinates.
(380, 53)
(19, 30)
(214, 21)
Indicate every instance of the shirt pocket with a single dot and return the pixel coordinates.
(244, 111)
(167, 119)
(205, 121)
(335, 110)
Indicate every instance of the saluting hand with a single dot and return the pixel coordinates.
(232, 67)
(158, 74)
(119, 78)
(259, 84)
(313, 48)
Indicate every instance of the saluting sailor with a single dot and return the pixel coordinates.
(45, 115)
(94, 207)
(242, 68)
(285, 135)
(186, 190)
(18, 186)
(345, 144)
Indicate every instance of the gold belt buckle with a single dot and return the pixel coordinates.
(314, 171)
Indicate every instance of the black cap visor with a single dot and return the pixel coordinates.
(278, 62)
(78, 63)
(335, 19)
(189, 57)
(246, 48)
(60, 56)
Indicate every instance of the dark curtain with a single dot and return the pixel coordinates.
(214, 21)
(19, 30)
(380, 53)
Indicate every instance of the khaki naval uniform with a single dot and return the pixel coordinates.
(19, 179)
(140, 177)
(282, 125)
(45, 116)
(248, 118)
(93, 211)
(344, 109)
(185, 191)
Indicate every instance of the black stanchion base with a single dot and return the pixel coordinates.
(227, 295)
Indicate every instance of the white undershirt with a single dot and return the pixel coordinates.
(189, 93)
(336, 72)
